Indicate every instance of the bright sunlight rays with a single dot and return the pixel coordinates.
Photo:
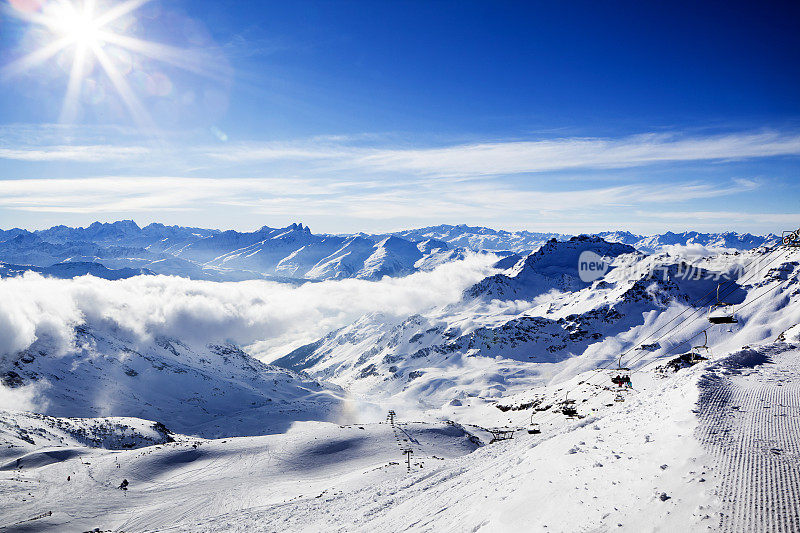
(90, 33)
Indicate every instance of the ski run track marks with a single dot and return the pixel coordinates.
(749, 414)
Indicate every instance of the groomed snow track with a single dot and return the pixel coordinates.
(749, 410)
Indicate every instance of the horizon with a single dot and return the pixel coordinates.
(359, 116)
(307, 227)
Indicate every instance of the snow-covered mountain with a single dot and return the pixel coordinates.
(553, 267)
(281, 254)
(128, 233)
(32, 249)
(73, 269)
(480, 238)
(654, 243)
(401, 421)
(212, 390)
(481, 348)
(294, 253)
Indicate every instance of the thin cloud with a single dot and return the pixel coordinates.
(334, 154)
(346, 198)
(572, 153)
(517, 157)
(83, 154)
(791, 219)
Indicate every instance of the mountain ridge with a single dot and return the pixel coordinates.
(296, 253)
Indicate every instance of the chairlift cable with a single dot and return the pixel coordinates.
(696, 308)
(683, 323)
(709, 327)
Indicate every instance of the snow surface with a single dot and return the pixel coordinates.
(646, 464)
(211, 439)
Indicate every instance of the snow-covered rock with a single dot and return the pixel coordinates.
(31, 431)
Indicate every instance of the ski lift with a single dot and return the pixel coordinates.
(721, 312)
(699, 353)
(791, 238)
(533, 428)
(568, 408)
(621, 376)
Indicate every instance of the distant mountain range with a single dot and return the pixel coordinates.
(291, 254)
(479, 238)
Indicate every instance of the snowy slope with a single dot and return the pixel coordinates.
(346, 261)
(188, 483)
(486, 347)
(749, 413)
(200, 390)
(649, 463)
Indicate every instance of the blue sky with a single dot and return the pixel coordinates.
(372, 116)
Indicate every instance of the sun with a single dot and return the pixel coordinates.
(80, 26)
(88, 32)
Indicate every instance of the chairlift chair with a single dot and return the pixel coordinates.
(721, 312)
(701, 351)
(621, 375)
(533, 428)
(568, 408)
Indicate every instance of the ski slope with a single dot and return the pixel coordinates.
(709, 447)
(190, 481)
(750, 424)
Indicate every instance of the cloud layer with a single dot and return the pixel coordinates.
(269, 318)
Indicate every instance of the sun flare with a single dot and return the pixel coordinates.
(87, 33)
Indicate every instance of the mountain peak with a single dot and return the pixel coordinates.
(119, 224)
(298, 226)
(553, 266)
